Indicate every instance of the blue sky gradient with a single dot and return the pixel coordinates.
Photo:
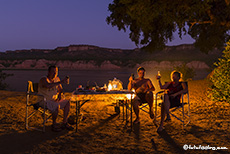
(47, 24)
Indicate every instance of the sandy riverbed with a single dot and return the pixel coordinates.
(104, 132)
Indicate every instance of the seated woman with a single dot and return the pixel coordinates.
(50, 87)
(172, 95)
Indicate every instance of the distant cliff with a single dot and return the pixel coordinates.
(86, 57)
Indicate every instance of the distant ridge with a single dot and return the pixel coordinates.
(74, 56)
(88, 47)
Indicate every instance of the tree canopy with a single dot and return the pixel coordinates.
(153, 22)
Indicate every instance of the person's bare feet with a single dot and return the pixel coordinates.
(160, 128)
(56, 128)
(136, 121)
(151, 114)
(66, 126)
(168, 118)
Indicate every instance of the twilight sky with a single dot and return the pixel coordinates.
(47, 24)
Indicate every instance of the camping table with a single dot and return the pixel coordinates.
(76, 99)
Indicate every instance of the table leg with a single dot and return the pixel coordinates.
(123, 105)
(126, 111)
(131, 113)
(77, 113)
(155, 117)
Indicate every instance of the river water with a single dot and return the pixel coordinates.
(18, 82)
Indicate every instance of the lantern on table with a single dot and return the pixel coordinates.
(116, 84)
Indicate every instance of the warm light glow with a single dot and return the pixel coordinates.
(110, 87)
(130, 96)
(115, 85)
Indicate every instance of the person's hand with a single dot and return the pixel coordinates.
(65, 80)
(59, 97)
(130, 79)
(173, 95)
(158, 77)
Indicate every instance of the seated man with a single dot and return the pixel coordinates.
(172, 95)
(143, 88)
(50, 87)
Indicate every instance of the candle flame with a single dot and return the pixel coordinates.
(110, 87)
(130, 96)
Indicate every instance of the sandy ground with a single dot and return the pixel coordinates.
(103, 131)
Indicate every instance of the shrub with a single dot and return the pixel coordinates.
(220, 78)
(187, 73)
(3, 76)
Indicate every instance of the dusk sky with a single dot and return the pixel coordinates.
(47, 24)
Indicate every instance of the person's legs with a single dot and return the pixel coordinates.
(66, 112)
(164, 110)
(53, 107)
(149, 99)
(160, 128)
(65, 105)
(55, 126)
(136, 103)
(167, 105)
(54, 116)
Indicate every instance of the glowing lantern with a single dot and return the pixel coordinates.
(110, 87)
(115, 85)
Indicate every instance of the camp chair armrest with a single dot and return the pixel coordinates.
(160, 92)
(35, 94)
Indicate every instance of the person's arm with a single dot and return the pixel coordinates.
(185, 90)
(131, 83)
(165, 86)
(150, 85)
(60, 89)
(43, 81)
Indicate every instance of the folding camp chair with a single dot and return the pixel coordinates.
(145, 107)
(32, 106)
(185, 117)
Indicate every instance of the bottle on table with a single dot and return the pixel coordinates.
(67, 79)
(158, 75)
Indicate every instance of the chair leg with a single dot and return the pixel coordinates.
(44, 120)
(183, 111)
(26, 118)
(123, 105)
(155, 117)
(131, 113)
(126, 111)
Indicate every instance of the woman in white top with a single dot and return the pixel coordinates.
(50, 87)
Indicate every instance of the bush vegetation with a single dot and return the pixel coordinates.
(220, 78)
(3, 76)
(187, 73)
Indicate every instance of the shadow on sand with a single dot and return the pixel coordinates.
(136, 131)
(20, 142)
(170, 141)
(200, 132)
(101, 123)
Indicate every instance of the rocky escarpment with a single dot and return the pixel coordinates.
(88, 57)
(91, 65)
